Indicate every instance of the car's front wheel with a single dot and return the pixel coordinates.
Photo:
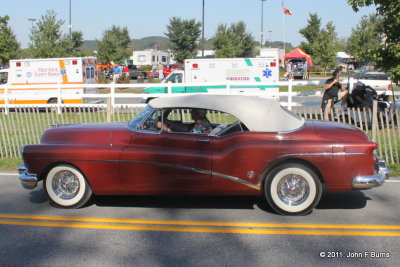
(66, 187)
(292, 189)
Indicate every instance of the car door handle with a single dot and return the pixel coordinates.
(203, 141)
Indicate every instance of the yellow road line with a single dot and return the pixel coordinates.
(200, 229)
(208, 227)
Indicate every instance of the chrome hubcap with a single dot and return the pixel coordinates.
(293, 189)
(65, 185)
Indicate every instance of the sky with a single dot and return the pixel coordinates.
(150, 18)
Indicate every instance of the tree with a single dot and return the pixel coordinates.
(388, 55)
(311, 32)
(9, 45)
(114, 45)
(365, 40)
(77, 41)
(325, 47)
(49, 41)
(322, 43)
(233, 41)
(183, 36)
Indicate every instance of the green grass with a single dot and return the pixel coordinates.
(395, 169)
(300, 88)
(9, 164)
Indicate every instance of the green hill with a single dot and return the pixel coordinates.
(157, 42)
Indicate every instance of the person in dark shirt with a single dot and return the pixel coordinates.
(363, 96)
(201, 124)
(334, 91)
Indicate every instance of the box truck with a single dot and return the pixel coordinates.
(220, 71)
(42, 76)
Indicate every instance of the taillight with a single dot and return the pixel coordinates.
(390, 86)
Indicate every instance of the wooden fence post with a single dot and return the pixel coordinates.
(59, 100)
(109, 109)
(6, 91)
(290, 92)
(374, 120)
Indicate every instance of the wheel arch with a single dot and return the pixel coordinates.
(57, 163)
(274, 164)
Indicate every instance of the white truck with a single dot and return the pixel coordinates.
(36, 81)
(211, 75)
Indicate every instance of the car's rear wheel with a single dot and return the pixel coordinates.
(292, 189)
(66, 187)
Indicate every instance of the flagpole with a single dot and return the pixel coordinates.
(283, 29)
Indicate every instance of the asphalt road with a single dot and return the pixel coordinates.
(354, 228)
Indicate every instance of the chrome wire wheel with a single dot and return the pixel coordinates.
(292, 189)
(65, 184)
(66, 187)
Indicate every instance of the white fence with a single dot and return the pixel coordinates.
(26, 125)
(60, 93)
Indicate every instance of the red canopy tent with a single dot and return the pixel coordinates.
(298, 53)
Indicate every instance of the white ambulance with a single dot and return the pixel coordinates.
(36, 81)
(244, 75)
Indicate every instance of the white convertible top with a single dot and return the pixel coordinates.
(258, 114)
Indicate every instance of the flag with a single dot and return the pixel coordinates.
(287, 11)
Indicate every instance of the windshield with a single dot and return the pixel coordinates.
(140, 117)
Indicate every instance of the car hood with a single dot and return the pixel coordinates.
(86, 134)
(338, 131)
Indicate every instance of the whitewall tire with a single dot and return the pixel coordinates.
(66, 187)
(292, 189)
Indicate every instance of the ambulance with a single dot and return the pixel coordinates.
(242, 73)
(36, 81)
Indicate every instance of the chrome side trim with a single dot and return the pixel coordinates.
(168, 165)
(28, 180)
(321, 154)
(237, 180)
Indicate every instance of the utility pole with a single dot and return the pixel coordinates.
(202, 33)
(70, 22)
(262, 23)
(32, 20)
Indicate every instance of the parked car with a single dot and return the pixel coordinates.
(298, 73)
(107, 73)
(257, 148)
(167, 69)
(3, 76)
(374, 79)
(135, 72)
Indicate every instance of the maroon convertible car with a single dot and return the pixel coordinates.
(254, 147)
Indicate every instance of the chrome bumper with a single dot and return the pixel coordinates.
(365, 182)
(28, 180)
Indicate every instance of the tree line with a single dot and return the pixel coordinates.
(375, 39)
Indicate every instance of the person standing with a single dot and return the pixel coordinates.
(153, 70)
(288, 70)
(333, 91)
(160, 68)
(117, 73)
(305, 71)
